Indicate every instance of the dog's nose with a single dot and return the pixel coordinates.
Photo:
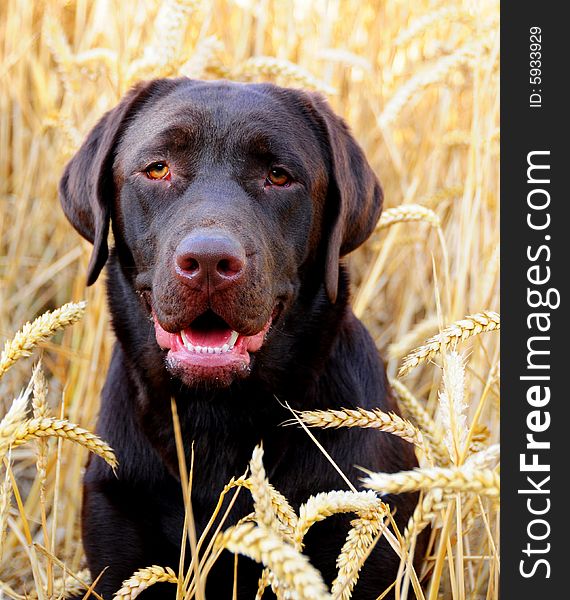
(210, 258)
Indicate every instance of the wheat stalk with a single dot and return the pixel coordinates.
(5, 503)
(460, 479)
(52, 427)
(406, 213)
(292, 570)
(461, 330)
(143, 579)
(64, 586)
(40, 330)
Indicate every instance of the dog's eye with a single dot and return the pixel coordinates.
(157, 170)
(278, 176)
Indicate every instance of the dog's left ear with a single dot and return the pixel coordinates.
(354, 193)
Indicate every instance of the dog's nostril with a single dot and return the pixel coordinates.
(188, 264)
(229, 267)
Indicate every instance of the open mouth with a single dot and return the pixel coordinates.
(209, 344)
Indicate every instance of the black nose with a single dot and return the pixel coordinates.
(211, 258)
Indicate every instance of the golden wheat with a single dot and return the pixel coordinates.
(420, 332)
(462, 479)
(52, 427)
(269, 66)
(487, 458)
(292, 569)
(40, 330)
(452, 404)
(405, 95)
(431, 432)
(281, 507)
(426, 511)
(262, 497)
(461, 330)
(143, 579)
(13, 419)
(431, 19)
(5, 504)
(326, 504)
(360, 417)
(408, 213)
(362, 534)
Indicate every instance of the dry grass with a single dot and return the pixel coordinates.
(418, 83)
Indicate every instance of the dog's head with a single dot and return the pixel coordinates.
(223, 197)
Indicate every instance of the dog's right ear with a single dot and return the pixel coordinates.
(86, 190)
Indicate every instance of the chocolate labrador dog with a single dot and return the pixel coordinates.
(231, 206)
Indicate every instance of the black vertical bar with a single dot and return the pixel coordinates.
(535, 258)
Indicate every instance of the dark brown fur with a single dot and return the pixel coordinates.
(221, 138)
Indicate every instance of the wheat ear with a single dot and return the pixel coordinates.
(291, 569)
(460, 479)
(425, 512)
(485, 459)
(39, 331)
(432, 434)
(432, 74)
(262, 499)
(406, 213)
(452, 404)
(62, 428)
(360, 538)
(269, 66)
(326, 504)
(427, 21)
(281, 507)
(360, 417)
(461, 330)
(420, 332)
(143, 579)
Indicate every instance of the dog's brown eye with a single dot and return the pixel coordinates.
(157, 170)
(278, 177)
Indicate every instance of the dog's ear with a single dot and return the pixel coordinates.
(354, 195)
(86, 189)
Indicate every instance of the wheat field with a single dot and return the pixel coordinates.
(418, 82)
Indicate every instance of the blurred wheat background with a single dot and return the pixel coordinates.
(418, 82)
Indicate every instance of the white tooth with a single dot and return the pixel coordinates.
(210, 350)
(224, 348)
(198, 349)
(186, 342)
(233, 339)
(218, 350)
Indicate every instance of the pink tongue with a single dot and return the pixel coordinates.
(212, 339)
